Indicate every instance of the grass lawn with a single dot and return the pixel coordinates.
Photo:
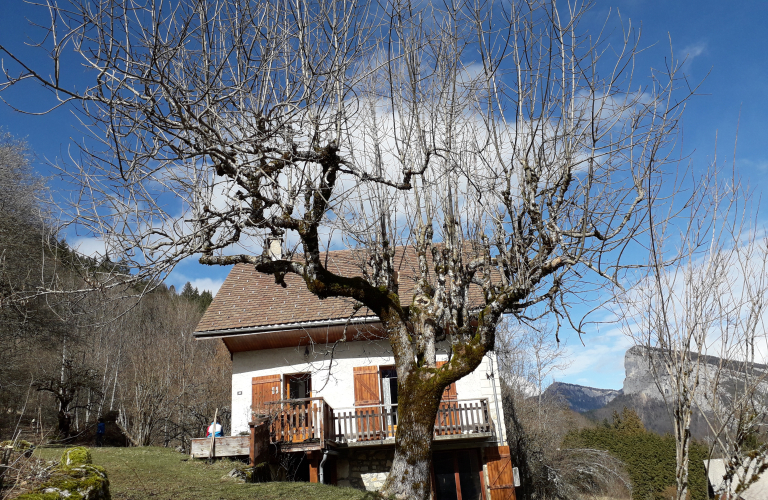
(161, 473)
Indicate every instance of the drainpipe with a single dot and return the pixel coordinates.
(322, 463)
(492, 377)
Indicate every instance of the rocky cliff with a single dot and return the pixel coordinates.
(642, 393)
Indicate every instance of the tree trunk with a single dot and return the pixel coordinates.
(417, 405)
(682, 439)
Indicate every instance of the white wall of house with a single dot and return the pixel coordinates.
(336, 384)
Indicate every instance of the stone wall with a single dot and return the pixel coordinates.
(364, 469)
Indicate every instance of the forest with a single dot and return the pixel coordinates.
(67, 359)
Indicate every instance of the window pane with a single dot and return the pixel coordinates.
(445, 481)
(469, 475)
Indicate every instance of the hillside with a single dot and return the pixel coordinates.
(580, 398)
(161, 473)
(652, 413)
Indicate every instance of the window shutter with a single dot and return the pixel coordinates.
(501, 480)
(367, 418)
(449, 394)
(448, 419)
(263, 390)
(366, 385)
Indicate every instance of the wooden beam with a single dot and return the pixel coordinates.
(228, 446)
(314, 466)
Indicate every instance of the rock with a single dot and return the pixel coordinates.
(374, 481)
(82, 482)
(79, 455)
(238, 474)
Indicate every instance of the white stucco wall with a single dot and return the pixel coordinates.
(337, 384)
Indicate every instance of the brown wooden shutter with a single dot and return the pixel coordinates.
(264, 390)
(448, 419)
(449, 394)
(366, 385)
(368, 418)
(501, 480)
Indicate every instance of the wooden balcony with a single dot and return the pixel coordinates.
(375, 424)
(312, 424)
(300, 424)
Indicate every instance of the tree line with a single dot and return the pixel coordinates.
(68, 358)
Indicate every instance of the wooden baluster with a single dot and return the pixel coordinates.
(452, 412)
(457, 420)
(357, 425)
(316, 429)
(439, 422)
(349, 420)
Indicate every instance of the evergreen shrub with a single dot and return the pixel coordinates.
(649, 458)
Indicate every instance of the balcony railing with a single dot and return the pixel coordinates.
(379, 422)
(300, 421)
(312, 421)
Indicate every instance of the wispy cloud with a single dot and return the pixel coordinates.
(179, 279)
(212, 285)
(753, 165)
(691, 52)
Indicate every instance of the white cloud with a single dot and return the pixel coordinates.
(691, 52)
(91, 247)
(759, 164)
(212, 285)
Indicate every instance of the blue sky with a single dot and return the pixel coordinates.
(726, 40)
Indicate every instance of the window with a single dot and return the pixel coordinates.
(389, 393)
(298, 386)
(457, 475)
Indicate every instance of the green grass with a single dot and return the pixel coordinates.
(161, 473)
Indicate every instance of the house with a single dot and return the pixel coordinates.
(322, 373)
(716, 472)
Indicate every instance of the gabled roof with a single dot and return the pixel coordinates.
(252, 301)
(249, 299)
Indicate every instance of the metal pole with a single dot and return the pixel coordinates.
(491, 376)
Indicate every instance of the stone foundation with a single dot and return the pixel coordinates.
(364, 470)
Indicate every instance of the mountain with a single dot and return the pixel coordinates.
(642, 393)
(581, 398)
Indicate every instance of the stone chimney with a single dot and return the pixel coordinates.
(275, 244)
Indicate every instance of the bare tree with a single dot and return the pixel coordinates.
(537, 424)
(698, 315)
(495, 145)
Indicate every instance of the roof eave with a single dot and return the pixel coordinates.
(234, 332)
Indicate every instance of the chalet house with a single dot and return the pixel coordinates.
(322, 373)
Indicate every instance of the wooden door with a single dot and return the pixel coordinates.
(448, 418)
(264, 390)
(367, 418)
(501, 482)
